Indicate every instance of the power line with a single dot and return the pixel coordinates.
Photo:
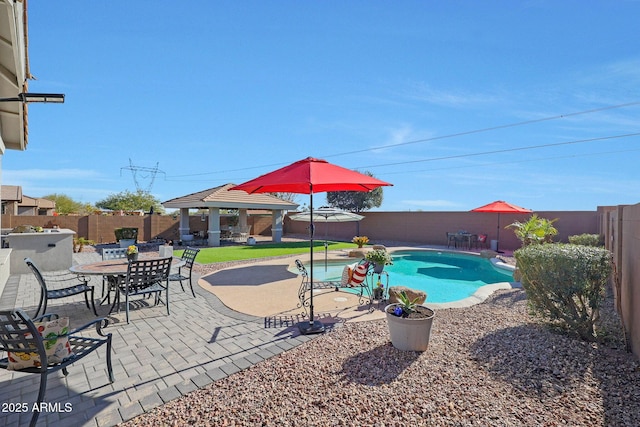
(537, 159)
(435, 138)
(505, 150)
(471, 132)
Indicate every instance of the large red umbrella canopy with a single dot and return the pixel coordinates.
(308, 176)
(500, 206)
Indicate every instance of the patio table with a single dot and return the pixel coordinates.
(112, 269)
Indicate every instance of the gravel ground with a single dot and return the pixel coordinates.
(487, 365)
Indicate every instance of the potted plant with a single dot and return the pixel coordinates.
(380, 258)
(126, 236)
(132, 253)
(378, 290)
(360, 240)
(409, 324)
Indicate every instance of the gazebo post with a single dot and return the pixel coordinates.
(276, 225)
(183, 228)
(213, 228)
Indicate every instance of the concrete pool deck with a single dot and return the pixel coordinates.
(268, 288)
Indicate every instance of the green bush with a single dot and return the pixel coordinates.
(126, 233)
(565, 284)
(586, 240)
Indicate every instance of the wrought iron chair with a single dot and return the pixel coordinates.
(189, 257)
(109, 283)
(451, 239)
(145, 277)
(63, 285)
(18, 333)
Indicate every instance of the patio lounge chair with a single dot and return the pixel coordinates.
(364, 292)
(189, 256)
(18, 333)
(63, 285)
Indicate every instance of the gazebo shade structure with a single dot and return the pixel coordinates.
(222, 197)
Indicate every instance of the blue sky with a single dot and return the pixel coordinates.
(456, 103)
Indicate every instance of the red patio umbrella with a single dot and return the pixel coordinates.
(499, 207)
(310, 176)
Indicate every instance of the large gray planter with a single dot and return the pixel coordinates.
(409, 334)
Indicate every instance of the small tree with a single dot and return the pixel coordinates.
(128, 201)
(535, 230)
(565, 284)
(355, 201)
(65, 205)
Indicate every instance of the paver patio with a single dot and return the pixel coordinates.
(157, 358)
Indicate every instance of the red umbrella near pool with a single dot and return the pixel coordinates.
(499, 207)
(308, 176)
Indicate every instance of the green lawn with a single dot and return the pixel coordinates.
(241, 252)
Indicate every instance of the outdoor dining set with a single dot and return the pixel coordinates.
(43, 344)
(465, 240)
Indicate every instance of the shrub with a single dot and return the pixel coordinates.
(565, 284)
(126, 233)
(586, 240)
(535, 230)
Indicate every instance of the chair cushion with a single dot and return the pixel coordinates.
(359, 274)
(347, 274)
(56, 345)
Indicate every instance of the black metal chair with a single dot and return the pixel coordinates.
(145, 277)
(62, 285)
(189, 257)
(18, 332)
(109, 283)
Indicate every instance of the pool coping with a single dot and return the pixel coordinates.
(478, 297)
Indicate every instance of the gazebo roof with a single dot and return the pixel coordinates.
(221, 197)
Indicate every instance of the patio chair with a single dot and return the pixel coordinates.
(482, 241)
(451, 239)
(108, 283)
(61, 285)
(145, 277)
(44, 356)
(189, 256)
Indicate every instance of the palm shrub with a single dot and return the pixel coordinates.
(534, 230)
(565, 284)
(586, 239)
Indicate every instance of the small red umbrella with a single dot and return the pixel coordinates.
(308, 176)
(499, 207)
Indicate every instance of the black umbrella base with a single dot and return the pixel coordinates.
(307, 328)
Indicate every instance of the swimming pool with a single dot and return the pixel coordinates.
(444, 276)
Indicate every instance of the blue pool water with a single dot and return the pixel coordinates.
(444, 276)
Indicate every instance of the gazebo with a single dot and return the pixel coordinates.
(216, 198)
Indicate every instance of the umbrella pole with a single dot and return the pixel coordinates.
(312, 326)
(498, 235)
(326, 244)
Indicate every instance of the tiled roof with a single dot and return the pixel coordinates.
(221, 197)
(11, 193)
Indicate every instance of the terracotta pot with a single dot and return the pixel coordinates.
(409, 334)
